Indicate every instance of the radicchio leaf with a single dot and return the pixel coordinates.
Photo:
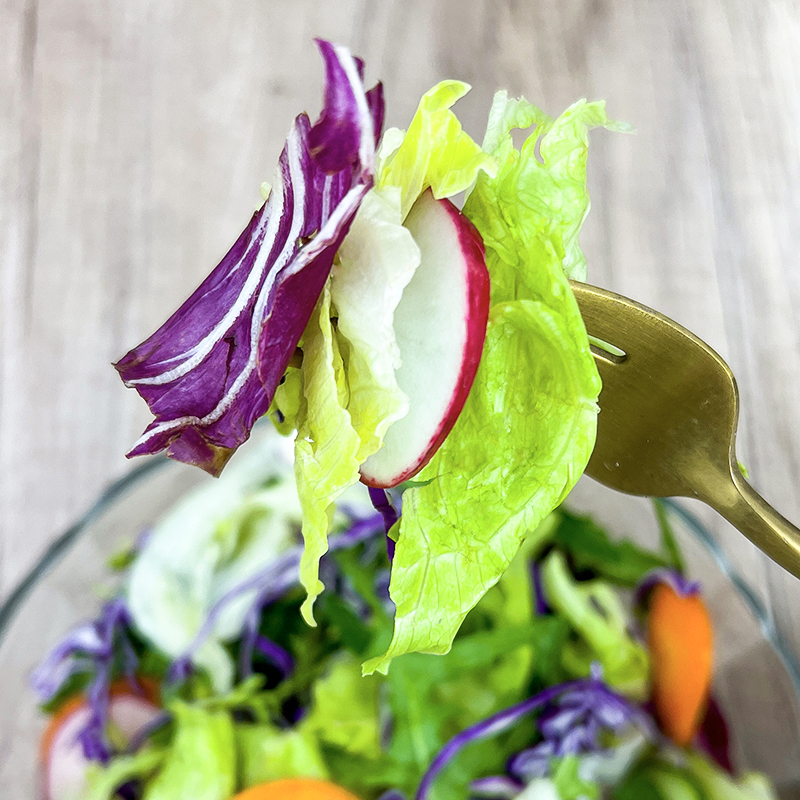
(713, 737)
(212, 369)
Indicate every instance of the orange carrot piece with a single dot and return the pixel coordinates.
(680, 640)
(295, 789)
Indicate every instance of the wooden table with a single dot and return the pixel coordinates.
(134, 135)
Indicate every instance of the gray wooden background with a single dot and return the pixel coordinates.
(134, 135)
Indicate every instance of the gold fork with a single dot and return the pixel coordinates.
(667, 423)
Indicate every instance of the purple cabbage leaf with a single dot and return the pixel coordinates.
(573, 716)
(213, 368)
(267, 586)
(677, 581)
(97, 648)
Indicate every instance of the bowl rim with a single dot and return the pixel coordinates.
(52, 554)
(63, 543)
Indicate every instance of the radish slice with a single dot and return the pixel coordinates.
(65, 764)
(440, 326)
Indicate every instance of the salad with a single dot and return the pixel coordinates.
(451, 630)
(585, 672)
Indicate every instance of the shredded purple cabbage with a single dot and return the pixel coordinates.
(678, 582)
(542, 607)
(97, 648)
(572, 723)
(212, 369)
(497, 787)
(147, 730)
(273, 652)
(268, 585)
(382, 502)
(574, 714)
(253, 641)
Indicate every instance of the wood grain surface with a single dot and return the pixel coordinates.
(134, 135)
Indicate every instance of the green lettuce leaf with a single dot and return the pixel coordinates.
(568, 782)
(103, 781)
(287, 402)
(435, 152)
(657, 781)
(345, 711)
(213, 539)
(522, 440)
(510, 609)
(528, 427)
(201, 761)
(696, 778)
(546, 196)
(506, 114)
(718, 785)
(590, 548)
(268, 754)
(349, 395)
(595, 613)
(326, 446)
(539, 789)
(376, 261)
(434, 699)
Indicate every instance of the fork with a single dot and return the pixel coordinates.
(669, 408)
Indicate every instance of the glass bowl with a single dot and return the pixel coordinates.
(757, 676)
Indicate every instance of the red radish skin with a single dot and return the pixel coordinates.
(452, 259)
(62, 752)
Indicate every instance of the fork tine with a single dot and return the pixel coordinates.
(603, 328)
(594, 307)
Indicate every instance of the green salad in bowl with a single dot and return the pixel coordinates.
(586, 671)
(382, 595)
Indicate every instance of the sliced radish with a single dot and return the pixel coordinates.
(440, 326)
(65, 765)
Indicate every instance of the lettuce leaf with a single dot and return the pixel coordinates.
(326, 446)
(213, 539)
(570, 784)
(594, 611)
(696, 779)
(103, 781)
(376, 262)
(528, 427)
(287, 402)
(345, 710)
(435, 152)
(590, 547)
(268, 754)
(544, 196)
(540, 789)
(201, 761)
(349, 383)
(523, 438)
(718, 785)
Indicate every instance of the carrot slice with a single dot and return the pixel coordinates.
(295, 789)
(680, 640)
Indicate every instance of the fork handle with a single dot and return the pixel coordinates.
(747, 511)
